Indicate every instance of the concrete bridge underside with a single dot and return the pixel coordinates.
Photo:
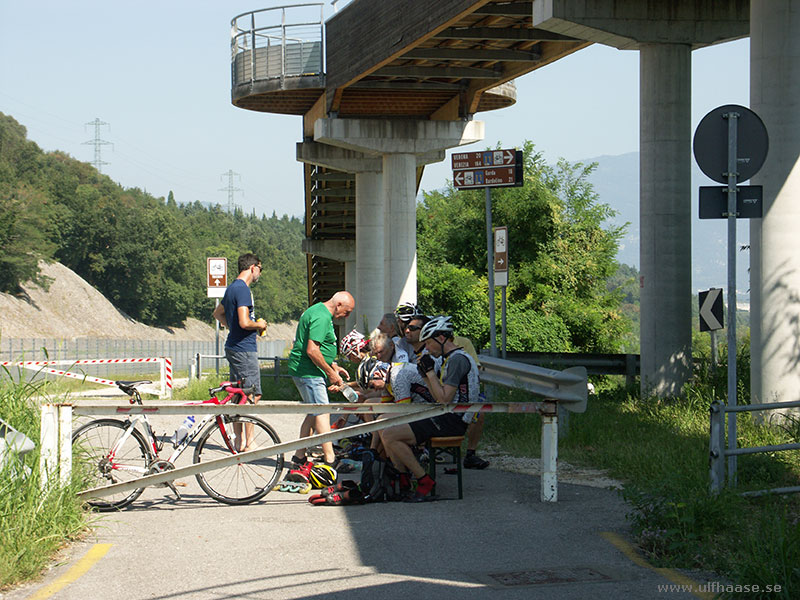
(404, 80)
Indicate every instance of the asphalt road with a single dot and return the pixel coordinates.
(499, 542)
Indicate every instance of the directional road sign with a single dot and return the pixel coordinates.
(487, 158)
(711, 310)
(501, 256)
(217, 276)
(491, 168)
(714, 201)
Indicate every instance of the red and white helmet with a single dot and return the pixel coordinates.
(352, 343)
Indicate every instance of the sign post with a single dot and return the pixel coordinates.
(488, 169)
(730, 145)
(216, 284)
(501, 276)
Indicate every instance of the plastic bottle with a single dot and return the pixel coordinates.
(183, 431)
(350, 394)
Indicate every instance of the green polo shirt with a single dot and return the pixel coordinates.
(316, 324)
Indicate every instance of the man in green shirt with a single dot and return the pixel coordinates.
(311, 364)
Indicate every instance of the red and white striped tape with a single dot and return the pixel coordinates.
(73, 375)
(168, 372)
(90, 361)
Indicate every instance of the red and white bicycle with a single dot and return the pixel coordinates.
(114, 451)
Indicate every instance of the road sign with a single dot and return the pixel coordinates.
(217, 276)
(488, 177)
(711, 310)
(501, 256)
(714, 202)
(711, 143)
(487, 158)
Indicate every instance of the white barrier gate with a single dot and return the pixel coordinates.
(165, 384)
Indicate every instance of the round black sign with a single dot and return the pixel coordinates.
(711, 143)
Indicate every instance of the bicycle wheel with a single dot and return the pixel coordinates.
(92, 446)
(244, 482)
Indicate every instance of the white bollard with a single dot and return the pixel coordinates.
(48, 442)
(549, 458)
(65, 443)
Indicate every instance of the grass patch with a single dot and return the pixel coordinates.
(33, 524)
(659, 449)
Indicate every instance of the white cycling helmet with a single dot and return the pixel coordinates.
(436, 326)
(352, 343)
(407, 311)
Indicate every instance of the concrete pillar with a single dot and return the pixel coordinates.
(774, 247)
(369, 271)
(403, 145)
(665, 217)
(350, 284)
(400, 227)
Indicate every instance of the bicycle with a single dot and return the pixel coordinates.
(117, 451)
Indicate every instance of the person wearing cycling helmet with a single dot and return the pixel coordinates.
(390, 326)
(352, 346)
(456, 381)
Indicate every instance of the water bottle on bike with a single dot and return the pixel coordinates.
(183, 431)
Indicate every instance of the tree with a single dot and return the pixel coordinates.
(560, 258)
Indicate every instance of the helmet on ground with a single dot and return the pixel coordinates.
(321, 476)
(436, 326)
(352, 343)
(406, 311)
(370, 368)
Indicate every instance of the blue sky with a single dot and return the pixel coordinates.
(159, 74)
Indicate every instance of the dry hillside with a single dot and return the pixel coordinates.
(72, 308)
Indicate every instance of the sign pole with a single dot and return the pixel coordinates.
(732, 174)
(503, 318)
(216, 328)
(714, 356)
(490, 267)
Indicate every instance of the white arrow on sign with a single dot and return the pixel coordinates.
(459, 177)
(500, 261)
(705, 310)
(509, 157)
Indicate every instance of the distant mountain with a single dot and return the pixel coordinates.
(616, 180)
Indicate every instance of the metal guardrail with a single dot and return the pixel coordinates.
(596, 364)
(276, 43)
(718, 452)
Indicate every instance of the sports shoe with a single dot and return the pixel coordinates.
(473, 461)
(300, 473)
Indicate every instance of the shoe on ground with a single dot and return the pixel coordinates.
(473, 461)
(300, 473)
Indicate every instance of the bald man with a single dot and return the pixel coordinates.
(314, 372)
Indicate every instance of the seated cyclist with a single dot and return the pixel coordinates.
(456, 381)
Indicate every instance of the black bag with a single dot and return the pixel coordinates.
(377, 478)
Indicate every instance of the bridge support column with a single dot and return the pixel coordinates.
(665, 247)
(369, 267)
(403, 145)
(774, 248)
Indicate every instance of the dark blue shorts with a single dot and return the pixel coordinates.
(244, 367)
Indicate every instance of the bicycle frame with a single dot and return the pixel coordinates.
(152, 440)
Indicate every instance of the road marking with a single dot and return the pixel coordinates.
(674, 576)
(80, 568)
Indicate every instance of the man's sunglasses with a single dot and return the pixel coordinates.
(414, 327)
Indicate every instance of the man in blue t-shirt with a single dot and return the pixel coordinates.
(237, 314)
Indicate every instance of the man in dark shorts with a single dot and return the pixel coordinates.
(237, 314)
(457, 381)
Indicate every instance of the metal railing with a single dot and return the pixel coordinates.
(276, 43)
(196, 370)
(718, 452)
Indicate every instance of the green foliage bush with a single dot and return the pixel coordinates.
(33, 523)
(562, 253)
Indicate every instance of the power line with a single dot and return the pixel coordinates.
(98, 143)
(230, 189)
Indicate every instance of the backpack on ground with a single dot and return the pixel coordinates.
(377, 478)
